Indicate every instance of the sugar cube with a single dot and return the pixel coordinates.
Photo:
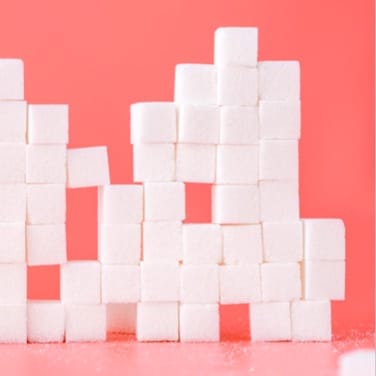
(199, 322)
(121, 318)
(13, 283)
(357, 363)
(12, 202)
(88, 167)
(12, 244)
(13, 323)
(13, 166)
(11, 79)
(48, 124)
(13, 119)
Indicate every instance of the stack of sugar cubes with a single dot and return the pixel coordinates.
(235, 125)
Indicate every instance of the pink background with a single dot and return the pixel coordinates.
(100, 56)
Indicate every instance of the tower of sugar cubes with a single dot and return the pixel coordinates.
(235, 125)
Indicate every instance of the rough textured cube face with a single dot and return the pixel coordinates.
(13, 171)
(121, 318)
(46, 204)
(120, 244)
(236, 46)
(164, 201)
(46, 244)
(157, 322)
(195, 84)
(13, 328)
(13, 283)
(153, 162)
(280, 282)
(45, 321)
(237, 86)
(237, 164)
(12, 203)
(270, 321)
(11, 79)
(279, 160)
(199, 124)
(240, 284)
(153, 122)
(80, 282)
(160, 282)
(202, 244)
(236, 204)
(120, 283)
(48, 123)
(280, 119)
(120, 204)
(324, 239)
(162, 241)
(46, 164)
(283, 241)
(311, 321)
(239, 125)
(85, 323)
(195, 163)
(279, 201)
(324, 280)
(88, 167)
(242, 244)
(12, 244)
(279, 80)
(199, 322)
(193, 278)
(13, 119)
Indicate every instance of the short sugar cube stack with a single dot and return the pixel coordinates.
(235, 125)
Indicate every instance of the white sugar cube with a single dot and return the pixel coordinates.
(85, 323)
(242, 244)
(199, 322)
(80, 282)
(235, 204)
(13, 327)
(13, 283)
(202, 244)
(236, 46)
(324, 280)
(324, 239)
(46, 164)
(311, 321)
(120, 283)
(46, 244)
(11, 79)
(199, 284)
(48, 124)
(164, 201)
(13, 120)
(162, 241)
(280, 119)
(120, 244)
(195, 163)
(12, 244)
(153, 162)
(281, 281)
(160, 282)
(357, 363)
(46, 204)
(121, 318)
(45, 321)
(195, 84)
(237, 86)
(12, 203)
(270, 321)
(120, 203)
(279, 160)
(239, 125)
(279, 80)
(283, 241)
(199, 124)
(157, 322)
(240, 284)
(279, 200)
(13, 165)
(88, 167)
(153, 122)
(237, 164)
